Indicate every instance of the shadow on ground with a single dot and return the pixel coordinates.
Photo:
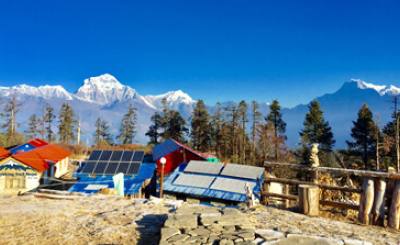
(149, 227)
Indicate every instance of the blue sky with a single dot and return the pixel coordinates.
(214, 50)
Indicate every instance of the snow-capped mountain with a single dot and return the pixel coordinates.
(108, 98)
(102, 96)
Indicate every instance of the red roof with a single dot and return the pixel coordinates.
(40, 157)
(4, 153)
(37, 142)
(200, 154)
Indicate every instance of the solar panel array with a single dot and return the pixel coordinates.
(203, 167)
(242, 171)
(231, 185)
(112, 162)
(192, 180)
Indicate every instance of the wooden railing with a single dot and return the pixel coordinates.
(372, 207)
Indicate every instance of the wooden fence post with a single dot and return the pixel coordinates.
(394, 211)
(378, 210)
(309, 199)
(286, 192)
(366, 201)
(265, 188)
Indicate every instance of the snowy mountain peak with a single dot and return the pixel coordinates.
(104, 89)
(174, 99)
(45, 91)
(380, 89)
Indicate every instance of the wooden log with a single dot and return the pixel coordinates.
(339, 204)
(366, 201)
(286, 192)
(309, 200)
(378, 210)
(394, 212)
(281, 196)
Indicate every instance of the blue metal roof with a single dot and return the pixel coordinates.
(132, 185)
(164, 148)
(206, 192)
(22, 148)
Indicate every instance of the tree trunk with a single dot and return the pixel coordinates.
(378, 210)
(309, 200)
(394, 212)
(366, 201)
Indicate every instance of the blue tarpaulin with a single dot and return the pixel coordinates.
(22, 148)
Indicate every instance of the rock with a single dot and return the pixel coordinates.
(226, 242)
(199, 232)
(207, 219)
(178, 238)
(168, 232)
(228, 229)
(231, 211)
(258, 241)
(247, 236)
(308, 240)
(181, 221)
(355, 242)
(269, 235)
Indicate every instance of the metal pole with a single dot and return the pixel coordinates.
(162, 181)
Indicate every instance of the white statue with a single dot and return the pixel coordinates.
(314, 160)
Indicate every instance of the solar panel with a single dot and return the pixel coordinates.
(242, 171)
(133, 169)
(127, 156)
(203, 167)
(191, 180)
(111, 168)
(105, 156)
(88, 167)
(231, 185)
(95, 155)
(116, 156)
(138, 156)
(123, 167)
(100, 167)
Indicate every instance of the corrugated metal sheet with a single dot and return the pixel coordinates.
(203, 167)
(231, 185)
(22, 148)
(194, 180)
(242, 171)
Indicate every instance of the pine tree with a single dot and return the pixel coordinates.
(316, 129)
(242, 111)
(232, 127)
(200, 132)
(9, 115)
(364, 134)
(66, 124)
(174, 126)
(102, 133)
(154, 130)
(33, 126)
(274, 118)
(48, 120)
(216, 126)
(256, 117)
(128, 126)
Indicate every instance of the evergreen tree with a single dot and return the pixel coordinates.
(128, 126)
(200, 132)
(256, 117)
(9, 115)
(102, 133)
(154, 130)
(174, 126)
(33, 126)
(48, 119)
(364, 134)
(242, 111)
(216, 126)
(316, 129)
(274, 118)
(66, 124)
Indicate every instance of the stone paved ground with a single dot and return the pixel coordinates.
(112, 220)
